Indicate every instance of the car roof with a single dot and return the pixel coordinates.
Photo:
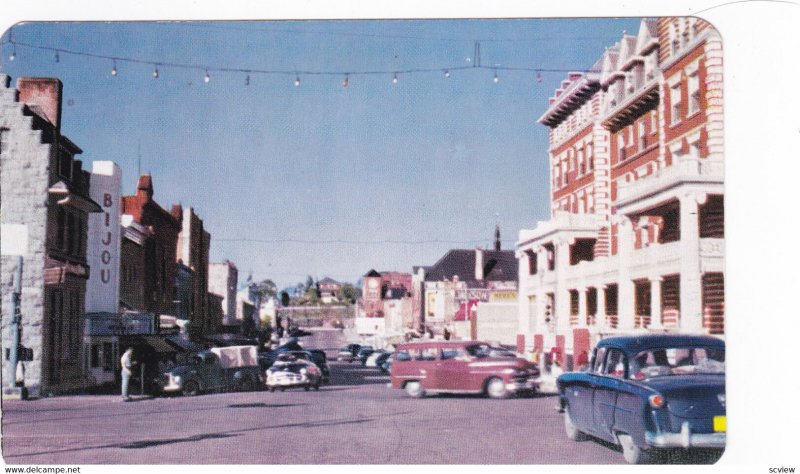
(649, 341)
(425, 344)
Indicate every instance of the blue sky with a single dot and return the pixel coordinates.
(323, 180)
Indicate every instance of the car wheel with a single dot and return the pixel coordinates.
(307, 388)
(632, 453)
(191, 388)
(573, 433)
(246, 385)
(414, 389)
(316, 387)
(496, 388)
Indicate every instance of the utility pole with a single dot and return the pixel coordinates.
(13, 353)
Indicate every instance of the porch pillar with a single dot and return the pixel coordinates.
(691, 317)
(583, 307)
(601, 307)
(626, 292)
(562, 292)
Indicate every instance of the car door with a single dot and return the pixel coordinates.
(452, 370)
(580, 393)
(605, 392)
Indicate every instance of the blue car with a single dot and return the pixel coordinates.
(649, 394)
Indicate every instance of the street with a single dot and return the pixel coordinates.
(356, 419)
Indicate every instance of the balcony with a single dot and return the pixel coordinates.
(684, 170)
(573, 225)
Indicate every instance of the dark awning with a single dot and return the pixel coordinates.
(157, 343)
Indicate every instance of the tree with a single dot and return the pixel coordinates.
(266, 289)
(285, 299)
(348, 293)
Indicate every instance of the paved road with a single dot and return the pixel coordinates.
(356, 419)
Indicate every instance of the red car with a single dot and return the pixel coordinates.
(461, 367)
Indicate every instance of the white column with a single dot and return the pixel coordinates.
(601, 307)
(691, 279)
(523, 293)
(562, 292)
(583, 307)
(625, 295)
(655, 303)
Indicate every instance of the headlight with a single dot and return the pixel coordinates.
(176, 378)
(509, 371)
(303, 371)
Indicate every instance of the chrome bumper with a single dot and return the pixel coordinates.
(530, 384)
(685, 439)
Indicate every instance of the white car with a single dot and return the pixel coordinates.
(288, 372)
(373, 358)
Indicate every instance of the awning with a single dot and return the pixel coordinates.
(157, 343)
(181, 343)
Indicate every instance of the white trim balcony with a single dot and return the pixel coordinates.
(685, 170)
(566, 223)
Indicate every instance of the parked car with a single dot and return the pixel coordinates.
(363, 353)
(289, 371)
(217, 369)
(349, 352)
(319, 358)
(460, 367)
(386, 366)
(372, 359)
(380, 359)
(649, 393)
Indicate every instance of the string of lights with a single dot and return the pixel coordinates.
(357, 242)
(159, 65)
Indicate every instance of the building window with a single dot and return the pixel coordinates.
(3, 141)
(694, 93)
(60, 225)
(653, 121)
(70, 233)
(64, 164)
(621, 146)
(642, 135)
(581, 163)
(590, 156)
(675, 101)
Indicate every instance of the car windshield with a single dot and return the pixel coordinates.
(485, 350)
(677, 361)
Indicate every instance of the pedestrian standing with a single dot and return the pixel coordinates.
(127, 363)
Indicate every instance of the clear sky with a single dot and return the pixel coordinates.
(319, 179)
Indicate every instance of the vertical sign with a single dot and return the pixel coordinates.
(102, 289)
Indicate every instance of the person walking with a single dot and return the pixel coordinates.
(127, 364)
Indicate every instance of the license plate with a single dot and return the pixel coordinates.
(720, 424)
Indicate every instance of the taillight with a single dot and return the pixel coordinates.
(656, 401)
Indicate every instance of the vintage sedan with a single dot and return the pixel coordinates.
(649, 394)
(433, 367)
(289, 371)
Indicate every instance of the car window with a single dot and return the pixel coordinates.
(677, 361)
(427, 354)
(615, 363)
(454, 353)
(402, 356)
(599, 358)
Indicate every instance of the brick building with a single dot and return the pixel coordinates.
(635, 242)
(155, 266)
(192, 251)
(45, 210)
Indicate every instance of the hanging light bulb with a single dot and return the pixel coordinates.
(394, 79)
(297, 81)
(495, 79)
(155, 72)
(207, 77)
(447, 74)
(13, 54)
(346, 81)
(247, 80)
(538, 77)
(114, 69)
(58, 59)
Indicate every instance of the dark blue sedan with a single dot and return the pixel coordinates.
(648, 394)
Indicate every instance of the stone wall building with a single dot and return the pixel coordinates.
(635, 242)
(44, 211)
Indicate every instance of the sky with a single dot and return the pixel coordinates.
(319, 179)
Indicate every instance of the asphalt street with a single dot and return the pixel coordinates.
(356, 419)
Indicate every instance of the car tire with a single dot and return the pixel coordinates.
(191, 388)
(631, 452)
(573, 433)
(246, 385)
(414, 389)
(316, 387)
(496, 388)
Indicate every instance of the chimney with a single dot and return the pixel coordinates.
(44, 94)
(145, 186)
(497, 237)
(479, 264)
